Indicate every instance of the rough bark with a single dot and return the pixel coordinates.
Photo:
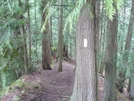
(85, 79)
(97, 41)
(110, 60)
(45, 41)
(60, 37)
(50, 35)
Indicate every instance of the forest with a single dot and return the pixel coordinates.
(66, 50)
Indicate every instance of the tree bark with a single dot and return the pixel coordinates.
(60, 37)
(85, 78)
(132, 85)
(102, 39)
(35, 29)
(25, 50)
(97, 41)
(97, 33)
(50, 35)
(45, 41)
(110, 60)
(29, 30)
(129, 39)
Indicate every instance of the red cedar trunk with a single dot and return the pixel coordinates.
(45, 55)
(110, 60)
(45, 41)
(85, 79)
(60, 37)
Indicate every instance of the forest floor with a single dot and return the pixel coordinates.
(50, 85)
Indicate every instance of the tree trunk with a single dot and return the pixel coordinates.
(65, 52)
(102, 40)
(97, 33)
(22, 47)
(45, 41)
(132, 85)
(60, 37)
(25, 49)
(85, 78)
(50, 35)
(127, 48)
(130, 30)
(97, 41)
(110, 60)
(35, 29)
(29, 31)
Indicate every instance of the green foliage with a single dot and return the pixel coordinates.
(110, 10)
(8, 50)
(111, 6)
(74, 15)
(18, 83)
(118, 3)
(3, 78)
(48, 11)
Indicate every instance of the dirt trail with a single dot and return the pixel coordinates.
(49, 85)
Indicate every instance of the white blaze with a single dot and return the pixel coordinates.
(85, 42)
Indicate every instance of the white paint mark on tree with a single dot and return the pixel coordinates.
(85, 42)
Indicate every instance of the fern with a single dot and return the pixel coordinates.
(118, 4)
(110, 9)
(48, 11)
(3, 78)
(74, 15)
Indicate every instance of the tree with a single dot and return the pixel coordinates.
(60, 37)
(85, 78)
(45, 40)
(29, 29)
(128, 46)
(102, 37)
(110, 59)
(97, 33)
(20, 31)
(127, 49)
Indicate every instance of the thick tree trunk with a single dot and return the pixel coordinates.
(127, 48)
(85, 79)
(60, 38)
(45, 41)
(110, 60)
(45, 55)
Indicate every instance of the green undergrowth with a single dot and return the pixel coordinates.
(19, 84)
